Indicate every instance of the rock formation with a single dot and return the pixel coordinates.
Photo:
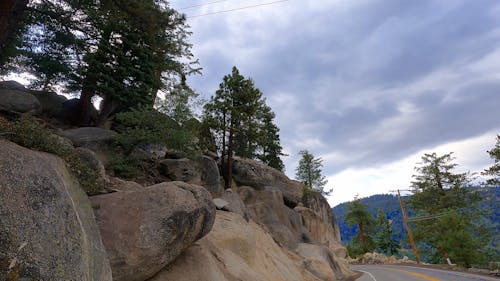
(47, 228)
(265, 229)
(145, 229)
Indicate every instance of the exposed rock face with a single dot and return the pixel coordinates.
(235, 205)
(18, 101)
(12, 85)
(179, 170)
(266, 207)
(51, 103)
(151, 152)
(247, 172)
(144, 230)
(320, 223)
(90, 137)
(47, 228)
(210, 178)
(236, 250)
(203, 172)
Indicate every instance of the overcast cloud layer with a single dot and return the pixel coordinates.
(362, 84)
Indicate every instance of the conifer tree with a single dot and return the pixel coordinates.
(384, 236)
(357, 214)
(242, 123)
(494, 170)
(123, 51)
(448, 208)
(309, 172)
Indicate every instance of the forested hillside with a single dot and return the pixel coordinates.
(390, 205)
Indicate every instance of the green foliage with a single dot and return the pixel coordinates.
(123, 51)
(124, 166)
(357, 214)
(309, 172)
(441, 196)
(144, 127)
(242, 122)
(28, 132)
(384, 236)
(494, 170)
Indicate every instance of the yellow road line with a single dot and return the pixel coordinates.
(423, 276)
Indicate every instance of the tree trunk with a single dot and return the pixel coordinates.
(229, 167)
(84, 107)
(11, 14)
(108, 107)
(361, 235)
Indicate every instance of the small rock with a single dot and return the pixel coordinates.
(220, 204)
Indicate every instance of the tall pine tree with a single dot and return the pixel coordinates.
(242, 123)
(448, 208)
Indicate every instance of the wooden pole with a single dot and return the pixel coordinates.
(408, 229)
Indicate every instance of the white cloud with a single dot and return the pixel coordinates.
(470, 156)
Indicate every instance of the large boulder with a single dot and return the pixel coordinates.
(51, 103)
(143, 230)
(12, 85)
(319, 257)
(202, 172)
(266, 208)
(247, 172)
(90, 137)
(210, 178)
(236, 250)
(18, 101)
(179, 170)
(47, 227)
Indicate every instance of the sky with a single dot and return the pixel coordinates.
(367, 85)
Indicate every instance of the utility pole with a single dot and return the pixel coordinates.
(408, 229)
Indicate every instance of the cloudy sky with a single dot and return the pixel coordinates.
(368, 85)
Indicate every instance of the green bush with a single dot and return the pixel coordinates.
(124, 166)
(151, 127)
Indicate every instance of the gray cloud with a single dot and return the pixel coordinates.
(362, 83)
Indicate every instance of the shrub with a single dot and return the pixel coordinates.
(152, 127)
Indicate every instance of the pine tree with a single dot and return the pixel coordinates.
(448, 208)
(357, 214)
(309, 172)
(494, 170)
(384, 237)
(123, 51)
(242, 123)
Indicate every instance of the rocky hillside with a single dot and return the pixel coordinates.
(183, 227)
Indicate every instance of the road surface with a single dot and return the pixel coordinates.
(409, 273)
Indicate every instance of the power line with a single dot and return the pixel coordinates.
(201, 5)
(238, 9)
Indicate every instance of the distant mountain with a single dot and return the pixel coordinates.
(390, 205)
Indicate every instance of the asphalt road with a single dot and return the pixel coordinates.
(408, 273)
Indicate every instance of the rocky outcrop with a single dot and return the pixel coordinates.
(247, 172)
(47, 228)
(266, 207)
(202, 172)
(236, 250)
(90, 137)
(144, 230)
(320, 223)
(18, 101)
